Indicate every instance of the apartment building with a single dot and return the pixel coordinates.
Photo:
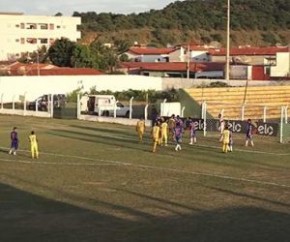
(26, 33)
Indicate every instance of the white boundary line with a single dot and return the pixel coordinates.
(246, 151)
(115, 162)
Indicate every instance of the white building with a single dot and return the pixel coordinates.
(282, 67)
(195, 54)
(22, 33)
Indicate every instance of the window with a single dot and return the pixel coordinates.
(17, 25)
(43, 26)
(43, 41)
(22, 41)
(58, 27)
(31, 40)
(51, 26)
(31, 26)
(17, 40)
(22, 25)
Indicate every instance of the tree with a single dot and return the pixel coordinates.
(81, 57)
(61, 51)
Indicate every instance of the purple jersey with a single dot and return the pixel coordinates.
(249, 130)
(14, 139)
(178, 130)
(14, 136)
(192, 129)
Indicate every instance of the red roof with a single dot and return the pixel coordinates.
(150, 51)
(174, 66)
(64, 72)
(196, 47)
(249, 51)
(20, 69)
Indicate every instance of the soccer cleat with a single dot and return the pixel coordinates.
(14, 153)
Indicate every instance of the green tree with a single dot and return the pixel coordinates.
(61, 51)
(81, 57)
(98, 50)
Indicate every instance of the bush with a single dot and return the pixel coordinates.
(215, 84)
(150, 96)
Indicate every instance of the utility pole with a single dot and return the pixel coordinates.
(227, 76)
(188, 61)
(37, 59)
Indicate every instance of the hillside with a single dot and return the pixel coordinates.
(253, 22)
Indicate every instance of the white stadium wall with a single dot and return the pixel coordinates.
(16, 87)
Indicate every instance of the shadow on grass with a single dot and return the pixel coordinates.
(239, 194)
(100, 139)
(130, 131)
(28, 217)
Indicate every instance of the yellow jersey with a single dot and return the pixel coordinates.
(140, 126)
(155, 132)
(171, 123)
(164, 127)
(226, 136)
(32, 139)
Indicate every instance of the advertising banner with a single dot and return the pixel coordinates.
(236, 126)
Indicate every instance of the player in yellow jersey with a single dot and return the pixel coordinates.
(33, 145)
(140, 129)
(226, 139)
(171, 125)
(155, 135)
(163, 132)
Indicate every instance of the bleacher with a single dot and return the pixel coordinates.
(251, 102)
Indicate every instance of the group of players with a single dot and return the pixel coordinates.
(163, 128)
(174, 128)
(15, 143)
(226, 136)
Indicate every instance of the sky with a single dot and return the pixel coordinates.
(67, 7)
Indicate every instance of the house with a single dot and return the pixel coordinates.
(148, 54)
(174, 69)
(35, 69)
(248, 55)
(192, 52)
(22, 34)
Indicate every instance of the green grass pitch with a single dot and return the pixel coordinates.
(95, 182)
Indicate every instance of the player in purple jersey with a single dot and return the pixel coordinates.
(231, 142)
(178, 130)
(192, 132)
(250, 129)
(14, 141)
(179, 120)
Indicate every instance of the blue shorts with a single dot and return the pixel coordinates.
(14, 144)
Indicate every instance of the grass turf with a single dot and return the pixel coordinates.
(95, 182)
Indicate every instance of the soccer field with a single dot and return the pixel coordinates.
(95, 182)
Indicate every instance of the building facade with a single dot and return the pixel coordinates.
(22, 34)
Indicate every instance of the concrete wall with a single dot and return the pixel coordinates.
(124, 121)
(20, 112)
(34, 86)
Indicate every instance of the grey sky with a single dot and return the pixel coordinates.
(67, 7)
